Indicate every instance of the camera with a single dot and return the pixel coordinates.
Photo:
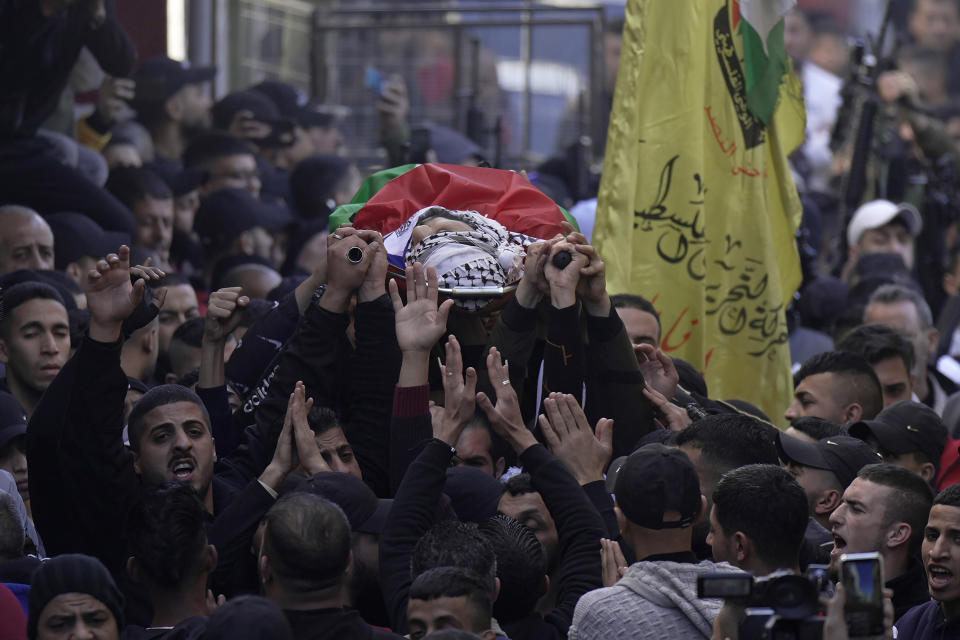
(779, 606)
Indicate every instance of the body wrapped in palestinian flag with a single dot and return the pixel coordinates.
(496, 214)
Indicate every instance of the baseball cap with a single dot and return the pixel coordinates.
(365, 512)
(878, 213)
(842, 455)
(474, 494)
(226, 213)
(293, 103)
(655, 479)
(13, 419)
(905, 427)
(160, 77)
(181, 181)
(76, 235)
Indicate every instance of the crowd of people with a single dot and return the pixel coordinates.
(223, 416)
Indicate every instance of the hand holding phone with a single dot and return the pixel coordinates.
(862, 577)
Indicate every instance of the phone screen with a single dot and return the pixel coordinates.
(863, 582)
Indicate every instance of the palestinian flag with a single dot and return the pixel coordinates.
(761, 24)
(389, 198)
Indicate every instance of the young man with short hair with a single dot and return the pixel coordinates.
(34, 340)
(883, 510)
(640, 318)
(940, 553)
(890, 355)
(151, 201)
(758, 519)
(838, 386)
(718, 443)
(449, 598)
(169, 554)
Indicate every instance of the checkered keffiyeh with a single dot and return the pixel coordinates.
(487, 256)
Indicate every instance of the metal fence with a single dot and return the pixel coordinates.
(520, 79)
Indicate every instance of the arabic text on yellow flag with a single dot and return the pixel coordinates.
(697, 208)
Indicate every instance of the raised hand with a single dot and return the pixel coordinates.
(113, 96)
(459, 395)
(505, 417)
(614, 565)
(375, 282)
(111, 296)
(570, 438)
(563, 282)
(285, 457)
(344, 276)
(592, 287)
(658, 369)
(674, 418)
(533, 285)
(224, 313)
(309, 453)
(420, 322)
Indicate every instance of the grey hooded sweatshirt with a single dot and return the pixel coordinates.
(654, 600)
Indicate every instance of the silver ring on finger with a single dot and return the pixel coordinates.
(354, 255)
(505, 382)
(336, 236)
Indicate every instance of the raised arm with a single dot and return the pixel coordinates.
(84, 478)
(312, 356)
(419, 324)
(374, 368)
(224, 313)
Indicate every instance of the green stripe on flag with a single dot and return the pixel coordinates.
(764, 68)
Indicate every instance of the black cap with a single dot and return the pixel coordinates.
(159, 77)
(293, 104)
(76, 235)
(365, 512)
(225, 214)
(843, 455)
(13, 419)
(655, 479)
(474, 494)
(260, 107)
(905, 427)
(181, 181)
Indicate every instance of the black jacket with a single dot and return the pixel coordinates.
(339, 624)
(361, 396)
(37, 55)
(580, 528)
(85, 482)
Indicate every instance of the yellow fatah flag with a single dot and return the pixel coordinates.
(697, 208)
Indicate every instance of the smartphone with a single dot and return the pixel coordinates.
(862, 578)
(374, 80)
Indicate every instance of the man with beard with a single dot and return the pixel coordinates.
(172, 103)
(87, 481)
